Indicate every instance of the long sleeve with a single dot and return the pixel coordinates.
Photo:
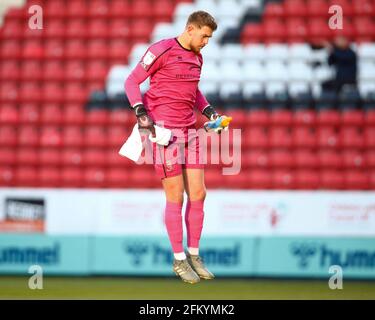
(201, 102)
(151, 61)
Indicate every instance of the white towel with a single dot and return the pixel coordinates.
(133, 146)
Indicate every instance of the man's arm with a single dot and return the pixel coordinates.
(204, 107)
(149, 64)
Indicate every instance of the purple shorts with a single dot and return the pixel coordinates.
(182, 152)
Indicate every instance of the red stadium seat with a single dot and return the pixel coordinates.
(346, 5)
(50, 137)
(49, 177)
(94, 157)
(97, 49)
(329, 159)
(54, 49)
(27, 177)
(332, 179)
(11, 49)
(117, 135)
(120, 9)
(307, 179)
(51, 114)
(9, 92)
(258, 117)
(365, 29)
(75, 71)
(295, 8)
(317, 8)
(50, 156)
(54, 29)
(74, 114)
(27, 157)
(369, 137)
(77, 29)
(273, 10)
(71, 177)
(281, 117)
(28, 136)
(306, 158)
(72, 136)
(238, 181)
(283, 179)
(53, 92)
(10, 70)
(53, 71)
(77, 9)
(353, 159)
(141, 9)
(30, 71)
(370, 117)
(33, 49)
(274, 31)
(280, 137)
(328, 117)
(30, 92)
(8, 135)
(119, 28)
(75, 93)
(352, 118)
(118, 51)
(370, 158)
(141, 30)
(9, 115)
(97, 117)
(164, 11)
(304, 137)
(356, 180)
(7, 156)
(256, 137)
(72, 157)
(256, 158)
(117, 178)
(55, 9)
(319, 30)
(95, 136)
(75, 49)
(97, 71)
(280, 158)
(260, 179)
(328, 137)
(94, 177)
(29, 113)
(122, 117)
(12, 30)
(98, 29)
(98, 9)
(7, 176)
(364, 8)
(252, 33)
(296, 30)
(372, 179)
(351, 137)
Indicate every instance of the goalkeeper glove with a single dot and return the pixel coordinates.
(143, 119)
(217, 122)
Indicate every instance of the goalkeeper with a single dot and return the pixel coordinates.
(174, 67)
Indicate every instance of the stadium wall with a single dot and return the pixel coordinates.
(246, 233)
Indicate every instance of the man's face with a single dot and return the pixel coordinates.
(199, 37)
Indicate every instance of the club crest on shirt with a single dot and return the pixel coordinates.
(147, 59)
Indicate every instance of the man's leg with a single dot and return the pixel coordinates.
(196, 191)
(174, 191)
(194, 216)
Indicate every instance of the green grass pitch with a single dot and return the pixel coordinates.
(16, 287)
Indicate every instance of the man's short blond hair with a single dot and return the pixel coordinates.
(202, 19)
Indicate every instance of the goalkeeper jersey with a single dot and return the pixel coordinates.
(174, 75)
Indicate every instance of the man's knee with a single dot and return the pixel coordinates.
(175, 193)
(198, 194)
